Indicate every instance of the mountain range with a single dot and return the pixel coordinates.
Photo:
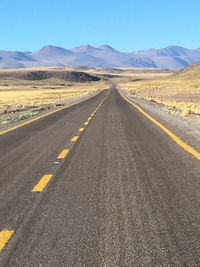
(171, 57)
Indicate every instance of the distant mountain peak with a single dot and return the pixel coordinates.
(52, 48)
(174, 50)
(107, 47)
(49, 46)
(50, 51)
(173, 57)
(83, 49)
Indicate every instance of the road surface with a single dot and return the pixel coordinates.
(122, 193)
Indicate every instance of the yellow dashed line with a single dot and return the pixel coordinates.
(174, 137)
(5, 235)
(63, 154)
(42, 183)
(75, 138)
(47, 177)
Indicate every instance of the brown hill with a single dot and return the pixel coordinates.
(71, 76)
(192, 72)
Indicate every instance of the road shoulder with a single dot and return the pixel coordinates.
(187, 130)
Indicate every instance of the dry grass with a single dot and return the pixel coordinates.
(175, 93)
(23, 97)
(22, 94)
(18, 94)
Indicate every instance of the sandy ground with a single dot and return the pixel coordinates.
(178, 96)
(22, 99)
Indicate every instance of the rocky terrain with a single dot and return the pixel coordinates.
(178, 93)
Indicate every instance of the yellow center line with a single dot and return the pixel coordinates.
(89, 118)
(42, 183)
(86, 123)
(63, 154)
(75, 138)
(81, 129)
(5, 235)
(174, 137)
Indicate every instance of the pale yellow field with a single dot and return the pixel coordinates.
(16, 97)
(21, 99)
(19, 94)
(173, 92)
(17, 105)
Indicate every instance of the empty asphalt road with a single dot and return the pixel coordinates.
(97, 184)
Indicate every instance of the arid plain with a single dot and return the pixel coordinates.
(25, 93)
(178, 93)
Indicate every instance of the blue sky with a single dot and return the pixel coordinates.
(124, 24)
